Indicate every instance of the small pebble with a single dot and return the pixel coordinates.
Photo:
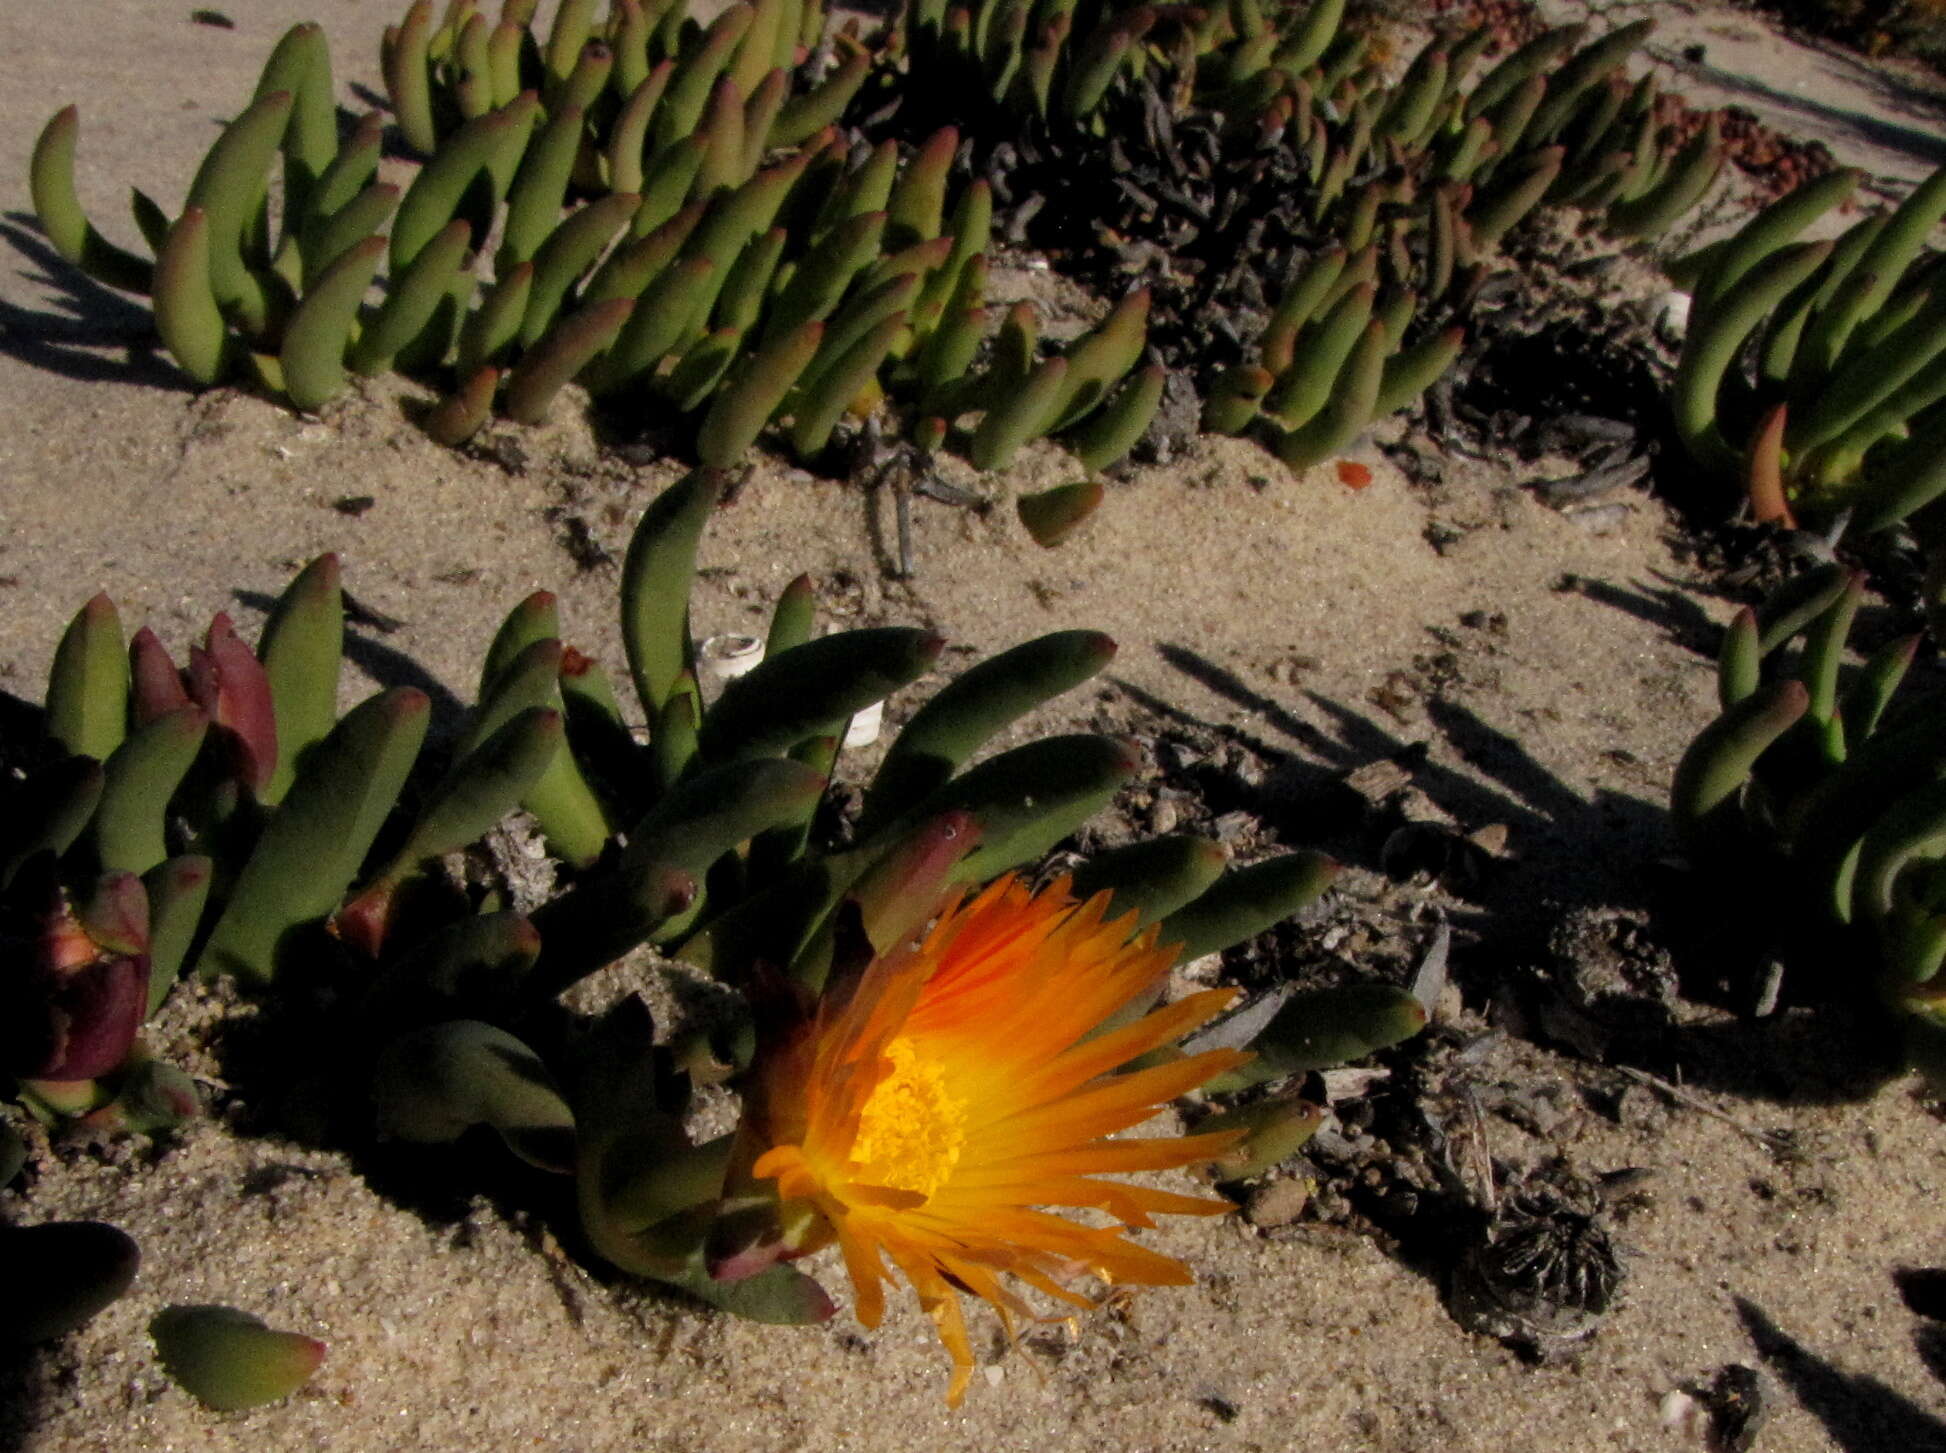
(1669, 314)
(1277, 1204)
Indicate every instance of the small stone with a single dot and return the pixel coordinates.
(1277, 1204)
(1599, 519)
(1491, 839)
(1220, 1407)
(1352, 1082)
(1669, 315)
(1202, 971)
(1685, 1415)
(1376, 781)
(1232, 825)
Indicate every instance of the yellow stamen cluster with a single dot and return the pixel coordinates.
(911, 1130)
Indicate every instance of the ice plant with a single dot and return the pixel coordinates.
(1137, 141)
(645, 247)
(966, 1082)
(1815, 371)
(1814, 805)
(225, 820)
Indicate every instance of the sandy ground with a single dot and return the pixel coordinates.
(1299, 613)
(1882, 116)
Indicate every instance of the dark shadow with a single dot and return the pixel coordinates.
(1827, 1053)
(372, 100)
(1176, 715)
(394, 668)
(1669, 608)
(1930, 1343)
(1359, 737)
(1231, 687)
(24, 1392)
(1558, 835)
(1923, 1290)
(1834, 50)
(1565, 852)
(1571, 859)
(1527, 790)
(22, 734)
(1315, 788)
(1924, 146)
(76, 342)
(1860, 1413)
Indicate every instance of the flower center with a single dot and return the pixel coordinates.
(911, 1130)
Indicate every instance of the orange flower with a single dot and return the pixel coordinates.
(964, 1084)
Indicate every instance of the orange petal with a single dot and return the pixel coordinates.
(867, 1274)
(1101, 1157)
(1110, 1051)
(1118, 1103)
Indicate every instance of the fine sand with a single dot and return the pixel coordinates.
(1553, 667)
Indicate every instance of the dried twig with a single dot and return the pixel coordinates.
(1777, 1142)
(1490, 1196)
(902, 501)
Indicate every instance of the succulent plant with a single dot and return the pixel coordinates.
(212, 818)
(59, 1275)
(227, 292)
(224, 818)
(826, 284)
(719, 866)
(1329, 362)
(645, 75)
(1822, 780)
(646, 103)
(645, 246)
(682, 229)
(1305, 100)
(1814, 373)
(1216, 152)
(229, 1360)
(281, 300)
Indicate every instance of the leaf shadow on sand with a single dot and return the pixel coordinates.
(386, 666)
(25, 1391)
(1570, 852)
(1567, 848)
(91, 323)
(1922, 145)
(1860, 1413)
(1667, 605)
